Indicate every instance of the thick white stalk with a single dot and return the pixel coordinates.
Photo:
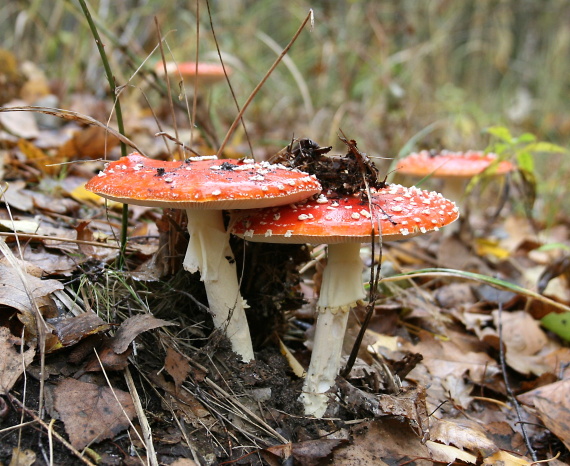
(209, 253)
(342, 284)
(341, 289)
(454, 190)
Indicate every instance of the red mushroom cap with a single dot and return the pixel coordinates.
(397, 213)
(207, 72)
(447, 164)
(202, 183)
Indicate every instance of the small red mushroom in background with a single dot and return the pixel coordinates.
(204, 186)
(455, 168)
(208, 73)
(394, 212)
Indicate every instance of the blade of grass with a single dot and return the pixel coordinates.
(118, 112)
(494, 282)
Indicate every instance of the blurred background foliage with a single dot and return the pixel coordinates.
(394, 75)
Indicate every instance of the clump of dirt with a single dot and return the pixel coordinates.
(342, 175)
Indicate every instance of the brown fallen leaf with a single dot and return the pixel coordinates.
(91, 142)
(553, 405)
(177, 366)
(13, 294)
(107, 359)
(388, 440)
(443, 358)
(114, 352)
(132, 327)
(410, 404)
(464, 434)
(12, 362)
(313, 452)
(71, 330)
(526, 343)
(41, 160)
(182, 400)
(90, 412)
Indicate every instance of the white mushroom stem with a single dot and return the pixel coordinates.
(341, 289)
(454, 189)
(209, 252)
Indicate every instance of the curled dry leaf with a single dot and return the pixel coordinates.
(12, 362)
(13, 293)
(113, 354)
(387, 439)
(132, 327)
(526, 343)
(91, 413)
(71, 330)
(464, 434)
(409, 404)
(92, 142)
(449, 454)
(553, 405)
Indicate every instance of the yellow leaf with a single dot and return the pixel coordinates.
(486, 247)
(40, 159)
(502, 457)
(293, 363)
(80, 194)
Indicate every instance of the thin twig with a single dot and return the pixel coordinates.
(167, 75)
(262, 82)
(195, 96)
(227, 78)
(508, 385)
(250, 413)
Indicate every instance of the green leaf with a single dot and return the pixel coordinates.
(544, 147)
(525, 137)
(500, 132)
(558, 323)
(499, 148)
(525, 161)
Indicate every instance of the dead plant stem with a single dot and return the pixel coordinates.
(168, 87)
(47, 429)
(262, 82)
(508, 385)
(227, 77)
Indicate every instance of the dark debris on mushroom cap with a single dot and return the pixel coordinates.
(395, 211)
(447, 164)
(201, 182)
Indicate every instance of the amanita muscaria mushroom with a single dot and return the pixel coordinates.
(456, 168)
(342, 223)
(208, 73)
(203, 186)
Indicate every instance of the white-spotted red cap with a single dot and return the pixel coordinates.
(397, 213)
(208, 73)
(201, 183)
(446, 164)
